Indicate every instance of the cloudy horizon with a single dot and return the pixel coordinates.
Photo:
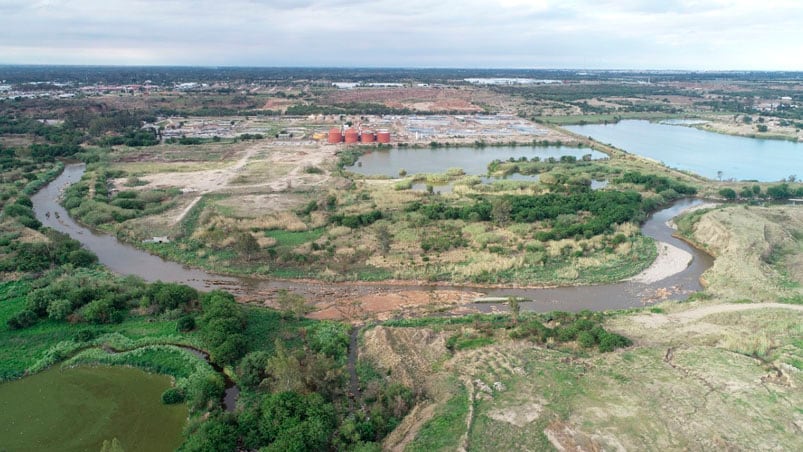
(605, 34)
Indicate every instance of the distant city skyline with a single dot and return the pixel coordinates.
(604, 34)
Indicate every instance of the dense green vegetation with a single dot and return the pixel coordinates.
(606, 208)
(92, 201)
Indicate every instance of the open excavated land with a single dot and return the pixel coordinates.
(695, 379)
(713, 373)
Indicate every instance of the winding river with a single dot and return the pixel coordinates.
(127, 260)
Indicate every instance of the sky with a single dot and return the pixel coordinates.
(590, 34)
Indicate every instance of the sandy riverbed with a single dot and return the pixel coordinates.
(671, 260)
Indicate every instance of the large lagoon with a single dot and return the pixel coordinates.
(705, 153)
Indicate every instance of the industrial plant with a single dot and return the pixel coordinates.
(351, 135)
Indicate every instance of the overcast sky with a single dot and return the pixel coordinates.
(594, 34)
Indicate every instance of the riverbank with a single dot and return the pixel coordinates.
(125, 259)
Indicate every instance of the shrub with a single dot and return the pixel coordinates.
(172, 396)
(586, 339)
(728, 193)
(23, 319)
(59, 309)
(609, 342)
(252, 368)
(185, 323)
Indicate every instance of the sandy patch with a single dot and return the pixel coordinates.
(519, 416)
(216, 180)
(671, 261)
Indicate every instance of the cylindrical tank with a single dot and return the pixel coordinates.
(383, 136)
(335, 136)
(367, 136)
(352, 136)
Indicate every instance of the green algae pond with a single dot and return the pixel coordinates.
(77, 409)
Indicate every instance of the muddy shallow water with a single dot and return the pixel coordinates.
(127, 260)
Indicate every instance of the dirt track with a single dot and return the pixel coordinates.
(659, 320)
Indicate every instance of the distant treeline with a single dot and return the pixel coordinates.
(167, 75)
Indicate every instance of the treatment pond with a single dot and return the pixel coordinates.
(78, 409)
(705, 153)
(472, 160)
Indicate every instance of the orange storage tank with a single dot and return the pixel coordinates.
(367, 136)
(352, 136)
(383, 136)
(335, 136)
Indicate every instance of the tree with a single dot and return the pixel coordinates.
(246, 245)
(384, 238)
(292, 304)
(112, 446)
(284, 371)
(295, 422)
(500, 210)
(719, 175)
(221, 327)
(515, 308)
(778, 191)
(728, 193)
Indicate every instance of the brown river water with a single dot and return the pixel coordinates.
(127, 260)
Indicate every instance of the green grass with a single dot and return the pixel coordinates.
(467, 342)
(47, 342)
(444, 430)
(267, 325)
(292, 239)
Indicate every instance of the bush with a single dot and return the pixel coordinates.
(586, 339)
(85, 336)
(252, 368)
(81, 258)
(728, 193)
(59, 309)
(23, 319)
(101, 311)
(331, 339)
(213, 435)
(185, 323)
(172, 396)
(609, 342)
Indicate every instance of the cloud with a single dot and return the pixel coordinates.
(687, 34)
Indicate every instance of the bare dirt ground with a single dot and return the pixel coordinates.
(261, 155)
(744, 241)
(385, 305)
(419, 98)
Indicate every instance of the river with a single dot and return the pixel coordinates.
(127, 260)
